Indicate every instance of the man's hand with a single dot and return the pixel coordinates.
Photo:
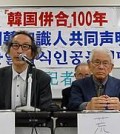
(113, 103)
(103, 102)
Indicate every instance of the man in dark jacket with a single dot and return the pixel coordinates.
(100, 91)
(81, 71)
(14, 79)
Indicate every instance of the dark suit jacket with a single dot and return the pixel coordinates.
(83, 90)
(65, 97)
(41, 91)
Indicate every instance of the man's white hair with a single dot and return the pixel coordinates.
(103, 50)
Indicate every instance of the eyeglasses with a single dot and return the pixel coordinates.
(98, 63)
(24, 47)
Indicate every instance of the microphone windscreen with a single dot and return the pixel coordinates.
(21, 56)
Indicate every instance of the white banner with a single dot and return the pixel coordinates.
(66, 35)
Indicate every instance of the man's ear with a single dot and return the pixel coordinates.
(75, 75)
(88, 62)
(112, 66)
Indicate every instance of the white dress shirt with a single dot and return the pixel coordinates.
(18, 89)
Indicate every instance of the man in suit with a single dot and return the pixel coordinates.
(100, 91)
(81, 71)
(14, 79)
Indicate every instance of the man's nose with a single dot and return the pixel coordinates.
(20, 49)
(101, 65)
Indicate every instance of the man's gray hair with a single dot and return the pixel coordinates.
(101, 49)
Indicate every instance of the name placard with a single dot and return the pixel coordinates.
(7, 122)
(98, 123)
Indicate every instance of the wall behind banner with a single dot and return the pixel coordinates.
(66, 34)
(60, 3)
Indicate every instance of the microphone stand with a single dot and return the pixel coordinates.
(28, 107)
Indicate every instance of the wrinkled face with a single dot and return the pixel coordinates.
(20, 44)
(82, 71)
(100, 65)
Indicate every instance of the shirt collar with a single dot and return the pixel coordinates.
(22, 75)
(98, 83)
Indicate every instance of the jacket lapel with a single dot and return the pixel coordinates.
(8, 85)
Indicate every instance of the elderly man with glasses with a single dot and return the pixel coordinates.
(100, 91)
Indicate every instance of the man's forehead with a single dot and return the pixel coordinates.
(81, 68)
(101, 56)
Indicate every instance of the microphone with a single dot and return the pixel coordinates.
(24, 58)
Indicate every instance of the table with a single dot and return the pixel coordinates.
(39, 122)
(66, 122)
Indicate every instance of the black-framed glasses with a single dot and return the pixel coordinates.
(24, 47)
(98, 63)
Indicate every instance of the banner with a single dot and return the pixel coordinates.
(66, 35)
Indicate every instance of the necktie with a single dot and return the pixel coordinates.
(100, 90)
